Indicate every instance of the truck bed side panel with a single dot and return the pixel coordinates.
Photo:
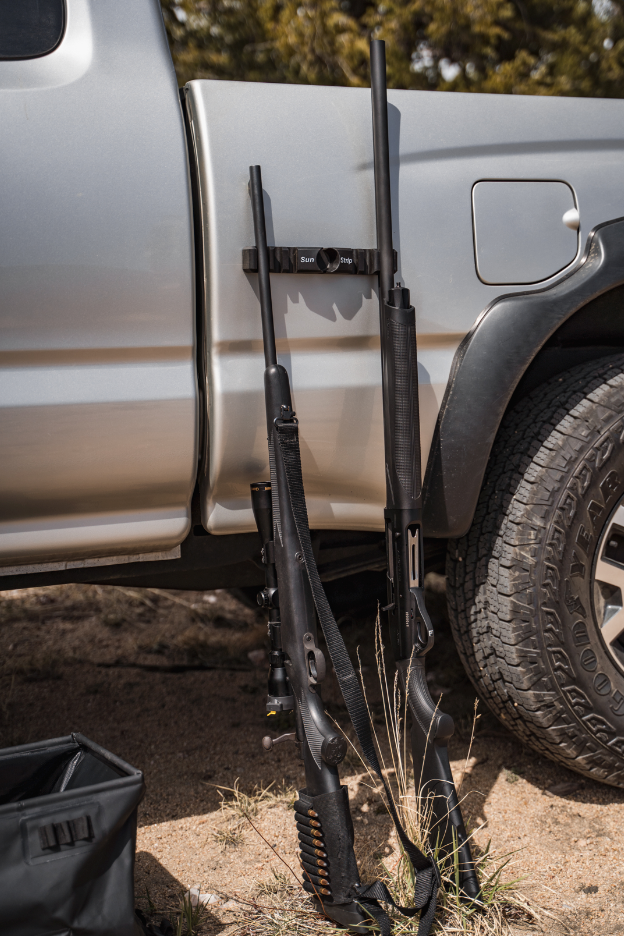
(315, 148)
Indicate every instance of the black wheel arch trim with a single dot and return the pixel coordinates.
(486, 369)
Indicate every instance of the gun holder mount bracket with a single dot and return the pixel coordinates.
(350, 260)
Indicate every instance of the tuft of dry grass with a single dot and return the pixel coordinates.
(502, 905)
(189, 919)
(278, 883)
(229, 838)
(281, 908)
(184, 920)
(239, 808)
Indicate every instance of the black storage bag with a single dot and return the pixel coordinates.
(68, 817)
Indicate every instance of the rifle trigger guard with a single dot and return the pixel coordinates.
(315, 661)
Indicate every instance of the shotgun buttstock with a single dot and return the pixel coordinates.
(430, 734)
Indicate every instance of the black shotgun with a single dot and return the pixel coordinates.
(411, 632)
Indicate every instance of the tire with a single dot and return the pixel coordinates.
(526, 588)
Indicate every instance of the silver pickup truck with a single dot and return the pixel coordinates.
(131, 394)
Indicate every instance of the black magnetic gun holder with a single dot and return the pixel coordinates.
(353, 260)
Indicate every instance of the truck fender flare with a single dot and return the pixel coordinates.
(487, 368)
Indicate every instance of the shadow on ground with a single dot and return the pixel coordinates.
(128, 668)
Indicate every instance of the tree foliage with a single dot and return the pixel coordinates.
(562, 47)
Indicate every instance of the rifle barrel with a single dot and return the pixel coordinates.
(264, 284)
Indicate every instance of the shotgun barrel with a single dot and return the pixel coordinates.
(381, 147)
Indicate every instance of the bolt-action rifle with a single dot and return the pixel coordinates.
(297, 665)
(411, 632)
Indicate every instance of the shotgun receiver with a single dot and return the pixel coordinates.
(411, 632)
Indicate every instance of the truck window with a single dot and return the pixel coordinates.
(30, 28)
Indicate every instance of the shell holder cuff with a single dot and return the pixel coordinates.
(338, 870)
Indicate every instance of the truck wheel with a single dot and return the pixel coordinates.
(536, 586)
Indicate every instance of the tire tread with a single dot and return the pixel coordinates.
(491, 571)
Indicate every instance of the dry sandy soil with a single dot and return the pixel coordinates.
(164, 680)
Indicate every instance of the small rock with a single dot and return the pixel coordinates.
(206, 899)
(562, 789)
(257, 657)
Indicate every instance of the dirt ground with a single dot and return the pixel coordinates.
(165, 680)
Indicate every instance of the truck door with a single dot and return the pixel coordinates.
(98, 397)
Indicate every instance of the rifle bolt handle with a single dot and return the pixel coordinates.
(268, 742)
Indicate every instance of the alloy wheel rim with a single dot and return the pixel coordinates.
(608, 586)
